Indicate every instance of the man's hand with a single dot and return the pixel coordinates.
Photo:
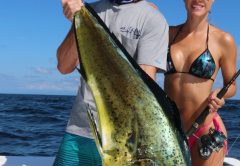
(70, 7)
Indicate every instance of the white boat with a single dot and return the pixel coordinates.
(48, 161)
(26, 161)
(231, 161)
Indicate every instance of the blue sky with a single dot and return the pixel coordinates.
(31, 30)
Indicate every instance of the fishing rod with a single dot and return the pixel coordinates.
(200, 119)
(233, 143)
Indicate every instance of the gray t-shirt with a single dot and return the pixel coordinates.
(143, 31)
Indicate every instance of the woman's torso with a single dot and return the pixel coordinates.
(195, 60)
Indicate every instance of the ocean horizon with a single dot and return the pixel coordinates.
(34, 124)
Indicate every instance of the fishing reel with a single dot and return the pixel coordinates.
(213, 141)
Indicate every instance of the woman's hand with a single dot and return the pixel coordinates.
(214, 103)
(70, 7)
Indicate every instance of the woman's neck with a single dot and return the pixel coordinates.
(193, 25)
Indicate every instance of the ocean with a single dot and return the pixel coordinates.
(33, 125)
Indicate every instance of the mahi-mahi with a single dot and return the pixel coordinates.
(137, 123)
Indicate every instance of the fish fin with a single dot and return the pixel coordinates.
(94, 129)
(133, 136)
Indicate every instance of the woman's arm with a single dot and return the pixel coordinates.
(228, 67)
(228, 63)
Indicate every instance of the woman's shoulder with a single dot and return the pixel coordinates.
(224, 38)
(225, 42)
(173, 29)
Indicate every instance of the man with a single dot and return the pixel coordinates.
(143, 31)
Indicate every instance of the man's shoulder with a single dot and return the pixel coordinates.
(151, 11)
(143, 6)
(146, 6)
(95, 3)
(100, 4)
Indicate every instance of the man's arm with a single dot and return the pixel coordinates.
(67, 54)
(150, 70)
(153, 45)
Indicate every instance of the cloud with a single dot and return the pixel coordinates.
(42, 70)
(39, 84)
(44, 86)
(67, 84)
(36, 73)
(70, 79)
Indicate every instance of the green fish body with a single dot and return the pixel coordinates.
(135, 118)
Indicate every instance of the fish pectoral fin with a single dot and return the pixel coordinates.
(144, 162)
(94, 129)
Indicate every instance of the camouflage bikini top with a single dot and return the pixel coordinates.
(203, 66)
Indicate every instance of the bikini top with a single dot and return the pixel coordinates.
(203, 66)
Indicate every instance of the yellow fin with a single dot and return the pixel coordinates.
(94, 129)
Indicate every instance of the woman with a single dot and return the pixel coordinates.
(197, 50)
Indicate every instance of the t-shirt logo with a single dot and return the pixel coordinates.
(134, 33)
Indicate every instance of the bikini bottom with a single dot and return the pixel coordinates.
(194, 137)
